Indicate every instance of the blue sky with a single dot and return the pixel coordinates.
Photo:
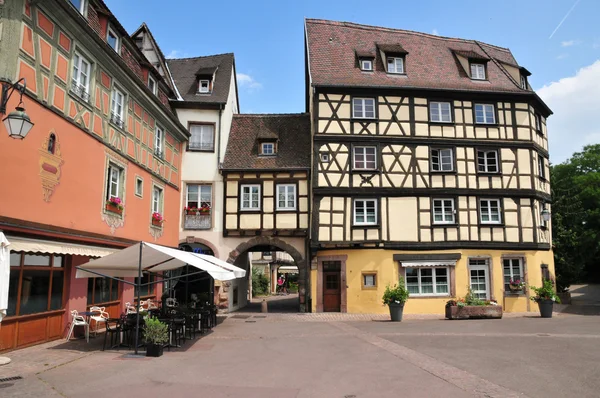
(267, 39)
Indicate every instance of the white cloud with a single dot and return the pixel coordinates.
(435, 32)
(569, 43)
(172, 54)
(562, 56)
(247, 81)
(576, 105)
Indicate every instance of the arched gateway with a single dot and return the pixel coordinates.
(268, 242)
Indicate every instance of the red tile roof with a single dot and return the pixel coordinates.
(431, 62)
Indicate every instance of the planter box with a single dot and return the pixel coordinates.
(157, 223)
(114, 209)
(154, 350)
(474, 312)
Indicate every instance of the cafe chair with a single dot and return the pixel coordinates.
(100, 318)
(171, 302)
(130, 309)
(78, 320)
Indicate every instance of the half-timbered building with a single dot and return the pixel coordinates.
(429, 162)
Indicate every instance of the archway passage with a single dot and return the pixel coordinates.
(263, 244)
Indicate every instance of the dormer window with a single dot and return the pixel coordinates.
(112, 39)
(478, 71)
(366, 64)
(395, 65)
(524, 82)
(204, 86)
(267, 148)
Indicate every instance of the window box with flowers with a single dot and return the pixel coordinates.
(198, 218)
(516, 285)
(114, 205)
(157, 219)
(472, 307)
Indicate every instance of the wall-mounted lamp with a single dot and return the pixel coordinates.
(545, 213)
(17, 122)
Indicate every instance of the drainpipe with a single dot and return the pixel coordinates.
(219, 139)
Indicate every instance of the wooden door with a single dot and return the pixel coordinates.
(332, 298)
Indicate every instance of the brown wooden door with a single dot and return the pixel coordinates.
(331, 292)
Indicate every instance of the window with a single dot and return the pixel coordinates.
(35, 283)
(199, 197)
(51, 143)
(442, 160)
(117, 115)
(112, 39)
(139, 186)
(443, 211)
(325, 157)
(541, 166)
(79, 5)
(366, 64)
(490, 211)
(478, 277)
(478, 71)
(152, 84)
(286, 197)
(427, 281)
(369, 280)
(365, 212)
(267, 148)
(487, 161)
(440, 112)
(250, 199)
(113, 184)
(363, 108)
(102, 290)
(523, 82)
(80, 81)
(365, 158)
(538, 123)
(159, 138)
(204, 86)
(202, 137)
(147, 290)
(395, 65)
(513, 269)
(157, 199)
(485, 114)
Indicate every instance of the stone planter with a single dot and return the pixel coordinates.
(546, 307)
(396, 311)
(114, 209)
(474, 312)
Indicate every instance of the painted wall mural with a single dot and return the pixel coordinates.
(50, 164)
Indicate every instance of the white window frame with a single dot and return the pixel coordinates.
(395, 65)
(199, 193)
(82, 7)
(487, 162)
(523, 82)
(367, 274)
(159, 141)
(541, 166)
(117, 46)
(480, 264)
(250, 199)
(154, 86)
(114, 181)
(204, 130)
(438, 116)
(434, 280)
(114, 104)
(511, 275)
(364, 149)
(365, 61)
(363, 101)
(477, 71)
(265, 145)
(288, 189)
(487, 210)
(200, 89)
(139, 193)
(157, 198)
(442, 202)
(484, 108)
(365, 213)
(441, 165)
(76, 77)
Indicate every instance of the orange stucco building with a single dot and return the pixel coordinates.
(103, 130)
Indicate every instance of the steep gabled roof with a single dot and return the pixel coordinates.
(292, 132)
(431, 61)
(161, 57)
(185, 70)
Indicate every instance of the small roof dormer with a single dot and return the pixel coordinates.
(365, 60)
(393, 56)
(206, 77)
(267, 143)
(473, 63)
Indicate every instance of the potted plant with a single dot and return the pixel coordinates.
(472, 307)
(545, 297)
(114, 205)
(157, 219)
(156, 334)
(516, 285)
(191, 211)
(205, 208)
(395, 297)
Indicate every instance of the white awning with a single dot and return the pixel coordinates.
(18, 244)
(154, 258)
(287, 269)
(433, 263)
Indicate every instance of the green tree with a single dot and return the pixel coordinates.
(260, 283)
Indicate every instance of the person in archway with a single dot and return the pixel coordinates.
(280, 283)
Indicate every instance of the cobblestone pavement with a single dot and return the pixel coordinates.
(331, 355)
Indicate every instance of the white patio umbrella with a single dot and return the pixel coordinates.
(4, 280)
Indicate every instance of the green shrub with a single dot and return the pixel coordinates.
(397, 294)
(260, 283)
(155, 332)
(546, 292)
(293, 287)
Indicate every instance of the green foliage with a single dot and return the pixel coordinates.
(576, 217)
(469, 300)
(546, 292)
(155, 332)
(260, 283)
(396, 294)
(293, 287)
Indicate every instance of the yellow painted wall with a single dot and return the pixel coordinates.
(381, 261)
